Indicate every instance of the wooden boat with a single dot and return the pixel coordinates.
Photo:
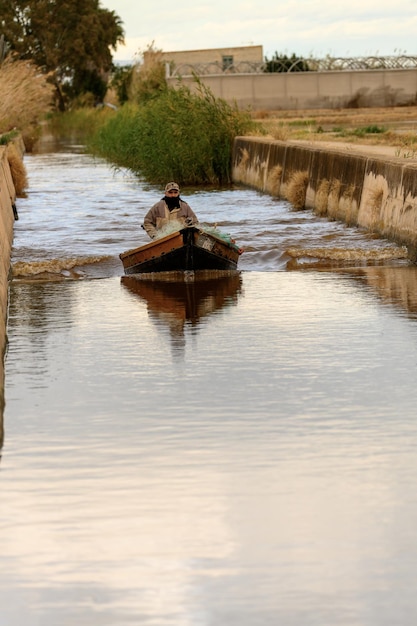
(188, 249)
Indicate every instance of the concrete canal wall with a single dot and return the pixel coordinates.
(377, 192)
(7, 218)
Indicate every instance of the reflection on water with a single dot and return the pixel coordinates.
(1, 414)
(394, 285)
(265, 477)
(180, 304)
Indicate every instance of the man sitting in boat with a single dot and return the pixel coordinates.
(171, 210)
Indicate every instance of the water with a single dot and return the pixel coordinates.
(233, 452)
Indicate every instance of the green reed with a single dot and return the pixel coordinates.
(80, 122)
(178, 135)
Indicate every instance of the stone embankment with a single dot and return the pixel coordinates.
(367, 187)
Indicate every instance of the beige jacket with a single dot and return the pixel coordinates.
(159, 215)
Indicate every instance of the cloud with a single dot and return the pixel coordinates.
(303, 27)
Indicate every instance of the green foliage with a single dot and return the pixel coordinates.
(369, 130)
(179, 135)
(118, 139)
(68, 39)
(361, 131)
(302, 123)
(8, 137)
(120, 82)
(81, 123)
(284, 63)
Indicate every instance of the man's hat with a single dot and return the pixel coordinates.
(170, 186)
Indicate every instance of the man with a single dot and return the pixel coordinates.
(171, 207)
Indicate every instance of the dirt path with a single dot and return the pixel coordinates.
(381, 151)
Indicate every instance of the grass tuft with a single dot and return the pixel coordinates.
(322, 197)
(274, 179)
(297, 189)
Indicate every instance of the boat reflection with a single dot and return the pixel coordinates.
(178, 301)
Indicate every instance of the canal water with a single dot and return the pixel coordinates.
(236, 451)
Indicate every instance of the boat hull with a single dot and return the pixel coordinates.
(189, 249)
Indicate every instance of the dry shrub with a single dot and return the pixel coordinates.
(148, 77)
(274, 180)
(349, 191)
(26, 97)
(375, 197)
(17, 169)
(280, 132)
(297, 189)
(334, 195)
(348, 204)
(322, 197)
(260, 114)
(374, 201)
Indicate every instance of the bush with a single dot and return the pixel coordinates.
(284, 63)
(147, 79)
(178, 135)
(369, 130)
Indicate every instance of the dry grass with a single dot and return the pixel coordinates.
(274, 179)
(280, 131)
(398, 126)
(25, 98)
(356, 117)
(374, 203)
(17, 170)
(296, 189)
(148, 78)
(322, 197)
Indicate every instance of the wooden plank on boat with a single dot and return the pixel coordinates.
(152, 250)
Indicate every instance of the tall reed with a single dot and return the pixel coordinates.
(78, 123)
(26, 97)
(177, 135)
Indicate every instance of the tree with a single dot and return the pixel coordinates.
(284, 63)
(71, 40)
(120, 82)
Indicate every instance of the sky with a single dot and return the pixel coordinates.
(307, 28)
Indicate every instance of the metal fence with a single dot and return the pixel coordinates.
(327, 64)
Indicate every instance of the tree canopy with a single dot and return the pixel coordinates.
(284, 63)
(69, 39)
